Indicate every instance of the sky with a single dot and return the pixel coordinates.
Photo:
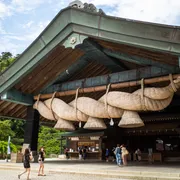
(21, 21)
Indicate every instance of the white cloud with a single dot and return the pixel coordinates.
(31, 33)
(7, 42)
(25, 5)
(28, 25)
(103, 3)
(2, 30)
(35, 30)
(14, 37)
(4, 10)
(160, 11)
(7, 45)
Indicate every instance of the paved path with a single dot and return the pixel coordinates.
(12, 175)
(132, 171)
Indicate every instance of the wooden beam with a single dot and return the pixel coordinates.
(70, 71)
(94, 52)
(10, 117)
(145, 72)
(113, 86)
(140, 60)
(17, 97)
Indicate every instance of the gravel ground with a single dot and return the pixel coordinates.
(13, 175)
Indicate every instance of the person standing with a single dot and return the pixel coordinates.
(66, 153)
(124, 154)
(84, 152)
(41, 162)
(117, 152)
(107, 154)
(150, 155)
(80, 153)
(138, 155)
(27, 157)
(113, 154)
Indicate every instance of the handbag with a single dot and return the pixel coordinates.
(31, 158)
(126, 152)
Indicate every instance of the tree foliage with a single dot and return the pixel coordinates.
(18, 127)
(13, 128)
(4, 145)
(49, 139)
(6, 58)
(5, 130)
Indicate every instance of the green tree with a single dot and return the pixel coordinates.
(13, 128)
(5, 130)
(49, 139)
(6, 58)
(18, 127)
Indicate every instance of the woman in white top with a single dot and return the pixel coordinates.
(138, 154)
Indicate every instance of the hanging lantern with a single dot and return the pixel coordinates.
(64, 125)
(80, 124)
(111, 122)
(130, 119)
(95, 123)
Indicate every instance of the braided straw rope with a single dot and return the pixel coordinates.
(113, 103)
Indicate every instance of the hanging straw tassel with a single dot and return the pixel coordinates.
(95, 123)
(61, 123)
(130, 119)
(64, 125)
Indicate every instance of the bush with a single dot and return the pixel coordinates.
(3, 148)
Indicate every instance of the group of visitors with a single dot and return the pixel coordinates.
(120, 154)
(82, 152)
(28, 157)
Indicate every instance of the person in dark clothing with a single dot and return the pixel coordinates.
(84, 153)
(27, 157)
(80, 154)
(66, 151)
(107, 154)
(41, 162)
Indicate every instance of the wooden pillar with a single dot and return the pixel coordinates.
(32, 128)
